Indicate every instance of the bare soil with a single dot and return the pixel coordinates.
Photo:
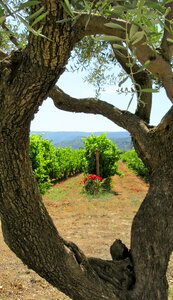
(92, 223)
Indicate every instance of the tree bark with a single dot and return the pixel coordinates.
(26, 77)
(28, 229)
(152, 241)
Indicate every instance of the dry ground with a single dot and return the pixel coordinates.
(91, 223)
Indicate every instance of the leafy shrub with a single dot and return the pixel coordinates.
(70, 161)
(44, 163)
(92, 184)
(109, 155)
(106, 184)
(134, 163)
(50, 163)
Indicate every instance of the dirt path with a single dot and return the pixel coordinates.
(91, 223)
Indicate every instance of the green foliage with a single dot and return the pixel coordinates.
(17, 19)
(50, 163)
(97, 55)
(43, 158)
(93, 184)
(135, 163)
(70, 161)
(146, 18)
(109, 154)
(143, 20)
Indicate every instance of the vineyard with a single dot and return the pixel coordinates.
(134, 163)
(51, 164)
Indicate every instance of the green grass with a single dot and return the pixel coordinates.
(56, 194)
(104, 196)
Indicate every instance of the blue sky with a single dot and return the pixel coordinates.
(49, 118)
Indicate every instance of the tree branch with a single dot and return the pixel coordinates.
(166, 46)
(93, 24)
(159, 65)
(142, 81)
(124, 119)
(13, 39)
(3, 54)
(131, 122)
(166, 122)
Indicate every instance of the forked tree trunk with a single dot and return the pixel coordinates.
(25, 79)
(28, 229)
(152, 228)
(30, 233)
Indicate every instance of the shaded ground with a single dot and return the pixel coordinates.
(91, 223)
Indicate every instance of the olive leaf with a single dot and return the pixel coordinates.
(114, 25)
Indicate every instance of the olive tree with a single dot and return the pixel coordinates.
(140, 34)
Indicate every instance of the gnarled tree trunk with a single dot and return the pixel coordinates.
(152, 229)
(26, 77)
(27, 227)
(29, 231)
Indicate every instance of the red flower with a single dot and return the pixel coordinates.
(85, 179)
(92, 177)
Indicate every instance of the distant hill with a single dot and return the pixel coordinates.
(73, 138)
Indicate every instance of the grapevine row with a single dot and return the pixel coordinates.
(50, 163)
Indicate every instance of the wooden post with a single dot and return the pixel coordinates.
(97, 163)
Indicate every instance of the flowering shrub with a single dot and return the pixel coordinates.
(92, 184)
(109, 155)
(92, 177)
